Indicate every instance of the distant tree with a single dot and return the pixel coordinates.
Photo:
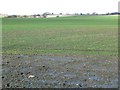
(45, 14)
(115, 13)
(94, 13)
(81, 14)
(108, 13)
(25, 16)
(38, 15)
(12, 16)
(34, 16)
(88, 13)
(57, 16)
(76, 14)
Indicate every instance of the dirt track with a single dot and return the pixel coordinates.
(43, 71)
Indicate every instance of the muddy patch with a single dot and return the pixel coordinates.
(42, 71)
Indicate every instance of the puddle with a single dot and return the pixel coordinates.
(95, 78)
(55, 58)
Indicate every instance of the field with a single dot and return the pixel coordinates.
(69, 35)
(76, 44)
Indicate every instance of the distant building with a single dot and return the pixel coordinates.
(3, 15)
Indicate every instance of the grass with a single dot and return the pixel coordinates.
(79, 35)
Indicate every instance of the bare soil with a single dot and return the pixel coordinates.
(48, 71)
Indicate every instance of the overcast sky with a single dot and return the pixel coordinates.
(57, 6)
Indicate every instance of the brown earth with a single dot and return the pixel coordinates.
(48, 71)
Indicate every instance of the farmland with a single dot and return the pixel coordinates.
(66, 35)
(69, 47)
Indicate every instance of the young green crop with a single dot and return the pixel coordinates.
(78, 35)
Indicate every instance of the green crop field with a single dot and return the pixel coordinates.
(78, 35)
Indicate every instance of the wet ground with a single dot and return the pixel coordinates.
(47, 71)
